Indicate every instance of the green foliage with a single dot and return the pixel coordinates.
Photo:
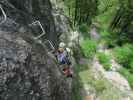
(126, 73)
(106, 9)
(76, 90)
(81, 11)
(78, 81)
(70, 7)
(87, 78)
(83, 28)
(111, 93)
(124, 55)
(100, 85)
(105, 36)
(122, 22)
(89, 47)
(104, 60)
(80, 68)
(104, 33)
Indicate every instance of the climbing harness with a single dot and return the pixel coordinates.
(4, 14)
(43, 31)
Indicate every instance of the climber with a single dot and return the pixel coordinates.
(62, 57)
(63, 54)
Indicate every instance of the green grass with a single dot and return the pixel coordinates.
(104, 60)
(124, 55)
(110, 93)
(89, 47)
(78, 81)
(129, 76)
(102, 87)
(105, 33)
(87, 78)
(76, 89)
(83, 73)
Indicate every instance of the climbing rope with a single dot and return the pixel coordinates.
(4, 14)
(43, 31)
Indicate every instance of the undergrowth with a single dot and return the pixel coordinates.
(89, 47)
(104, 60)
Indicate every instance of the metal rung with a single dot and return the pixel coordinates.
(4, 14)
(43, 31)
(37, 38)
(51, 45)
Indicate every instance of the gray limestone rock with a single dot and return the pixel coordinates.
(27, 72)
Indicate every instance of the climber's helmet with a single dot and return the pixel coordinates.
(62, 45)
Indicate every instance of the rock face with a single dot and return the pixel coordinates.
(27, 72)
(21, 13)
(62, 22)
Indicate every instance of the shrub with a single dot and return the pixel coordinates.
(104, 60)
(89, 47)
(104, 33)
(84, 29)
(124, 55)
(131, 66)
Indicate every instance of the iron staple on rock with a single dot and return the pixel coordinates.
(4, 14)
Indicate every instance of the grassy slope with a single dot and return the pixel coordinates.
(104, 90)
